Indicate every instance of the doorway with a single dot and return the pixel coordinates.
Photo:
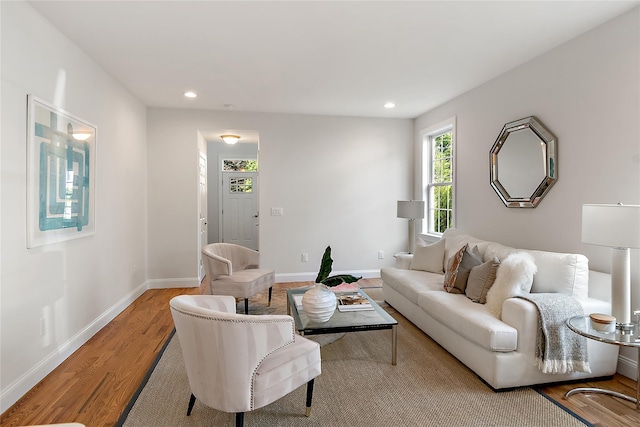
(246, 150)
(202, 211)
(239, 208)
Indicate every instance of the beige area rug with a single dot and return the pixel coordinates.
(359, 387)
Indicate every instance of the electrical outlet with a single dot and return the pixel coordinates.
(43, 326)
(277, 211)
(380, 254)
(304, 257)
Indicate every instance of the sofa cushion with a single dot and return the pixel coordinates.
(496, 250)
(470, 320)
(458, 269)
(571, 271)
(452, 271)
(429, 258)
(455, 239)
(470, 259)
(480, 280)
(557, 272)
(410, 283)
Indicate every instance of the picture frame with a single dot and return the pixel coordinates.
(61, 175)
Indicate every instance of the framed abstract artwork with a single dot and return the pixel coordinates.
(61, 175)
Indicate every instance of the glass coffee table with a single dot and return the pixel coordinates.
(581, 325)
(347, 321)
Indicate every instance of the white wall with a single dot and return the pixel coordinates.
(586, 92)
(77, 286)
(337, 179)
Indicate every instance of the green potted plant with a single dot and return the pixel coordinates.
(325, 270)
(319, 303)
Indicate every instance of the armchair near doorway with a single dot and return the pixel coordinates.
(235, 270)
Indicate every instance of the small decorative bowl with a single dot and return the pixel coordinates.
(603, 322)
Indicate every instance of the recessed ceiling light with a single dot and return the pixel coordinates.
(389, 105)
(190, 94)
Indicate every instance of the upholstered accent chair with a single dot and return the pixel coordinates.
(238, 363)
(235, 270)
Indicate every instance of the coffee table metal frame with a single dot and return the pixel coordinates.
(345, 321)
(582, 325)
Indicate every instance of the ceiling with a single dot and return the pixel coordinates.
(317, 57)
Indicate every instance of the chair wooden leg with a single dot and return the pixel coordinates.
(309, 396)
(239, 419)
(192, 401)
(246, 306)
(270, 292)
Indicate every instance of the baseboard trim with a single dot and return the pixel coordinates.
(310, 277)
(21, 386)
(627, 367)
(189, 282)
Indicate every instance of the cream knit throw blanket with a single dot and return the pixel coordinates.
(558, 349)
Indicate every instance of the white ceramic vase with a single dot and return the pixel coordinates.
(319, 303)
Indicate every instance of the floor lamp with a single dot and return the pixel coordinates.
(616, 226)
(412, 210)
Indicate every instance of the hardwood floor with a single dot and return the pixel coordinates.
(94, 385)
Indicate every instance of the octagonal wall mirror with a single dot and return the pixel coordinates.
(523, 163)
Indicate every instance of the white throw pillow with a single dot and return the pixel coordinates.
(514, 277)
(429, 258)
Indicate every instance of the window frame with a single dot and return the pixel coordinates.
(427, 137)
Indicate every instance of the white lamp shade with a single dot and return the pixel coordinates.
(411, 209)
(616, 226)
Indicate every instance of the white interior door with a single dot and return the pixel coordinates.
(202, 211)
(240, 208)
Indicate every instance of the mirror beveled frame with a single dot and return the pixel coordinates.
(549, 157)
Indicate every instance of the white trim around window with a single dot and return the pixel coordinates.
(426, 141)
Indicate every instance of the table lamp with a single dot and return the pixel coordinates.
(412, 210)
(616, 226)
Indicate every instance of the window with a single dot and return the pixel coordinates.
(240, 166)
(240, 185)
(438, 177)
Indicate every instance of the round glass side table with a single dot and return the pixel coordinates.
(582, 325)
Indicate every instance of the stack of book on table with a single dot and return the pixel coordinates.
(353, 302)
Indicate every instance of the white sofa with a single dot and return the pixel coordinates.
(501, 352)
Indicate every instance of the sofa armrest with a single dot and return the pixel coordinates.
(523, 316)
(403, 260)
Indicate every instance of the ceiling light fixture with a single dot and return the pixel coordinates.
(230, 139)
(389, 105)
(190, 94)
(81, 136)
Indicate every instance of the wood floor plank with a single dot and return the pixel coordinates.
(94, 385)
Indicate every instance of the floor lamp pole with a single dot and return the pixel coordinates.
(621, 287)
(412, 235)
